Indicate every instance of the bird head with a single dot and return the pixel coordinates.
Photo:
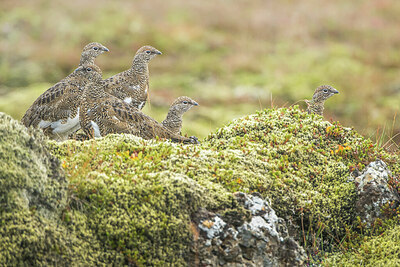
(183, 104)
(146, 53)
(94, 50)
(90, 72)
(324, 92)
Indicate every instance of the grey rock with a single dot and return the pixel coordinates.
(262, 240)
(374, 192)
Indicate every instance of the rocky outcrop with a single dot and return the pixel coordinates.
(128, 201)
(259, 240)
(373, 192)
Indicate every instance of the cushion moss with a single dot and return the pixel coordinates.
(299, 161)
(135, 198)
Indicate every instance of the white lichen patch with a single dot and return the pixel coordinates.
(214, 229)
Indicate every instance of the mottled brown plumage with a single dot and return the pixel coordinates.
(132, 85)
(90, 52)
(56, 111)
(173, 121)
(102, 114)
(321, 94)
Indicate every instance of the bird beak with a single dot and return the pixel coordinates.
(336, 91)
(105, 49)
(158, 52)
(195, 103)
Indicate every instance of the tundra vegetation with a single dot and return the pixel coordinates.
(128, 200)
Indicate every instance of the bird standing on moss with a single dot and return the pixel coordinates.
(132, 85)
(56, 111)
(102, 113)
(173, 121)
(321, 94)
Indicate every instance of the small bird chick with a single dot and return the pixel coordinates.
(321, 94)
(173, 121)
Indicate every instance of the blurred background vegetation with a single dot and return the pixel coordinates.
(233, 57)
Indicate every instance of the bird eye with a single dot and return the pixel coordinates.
(95, 48)
(148, 52)
(89, 69)
(185, 102)
(325, 90)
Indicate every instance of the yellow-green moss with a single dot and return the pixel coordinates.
(299, 161)
(27, 239)
(30, 176)
(33, 198)
(132, 204)
(131, 200)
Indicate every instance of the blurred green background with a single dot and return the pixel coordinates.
(233, 57)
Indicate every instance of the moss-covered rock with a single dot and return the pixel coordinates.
(33, 198)
(30, 177)
(133, 201)
(299, 161)
(132, 204)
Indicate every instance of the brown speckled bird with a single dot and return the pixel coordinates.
(132, 85)
(173, 121)
(102, 114)
(56, 111)
(321, 94)
(91, 52)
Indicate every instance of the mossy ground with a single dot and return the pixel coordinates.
(131, 200)
(299, 161)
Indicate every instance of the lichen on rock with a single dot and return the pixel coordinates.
(299, 161)
(374, 192)
(261, 240)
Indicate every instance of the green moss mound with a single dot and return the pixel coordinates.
(303, 164)
(30, 176)
(299, 161)
(130, 201)
(132, 204)
(33, 199)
